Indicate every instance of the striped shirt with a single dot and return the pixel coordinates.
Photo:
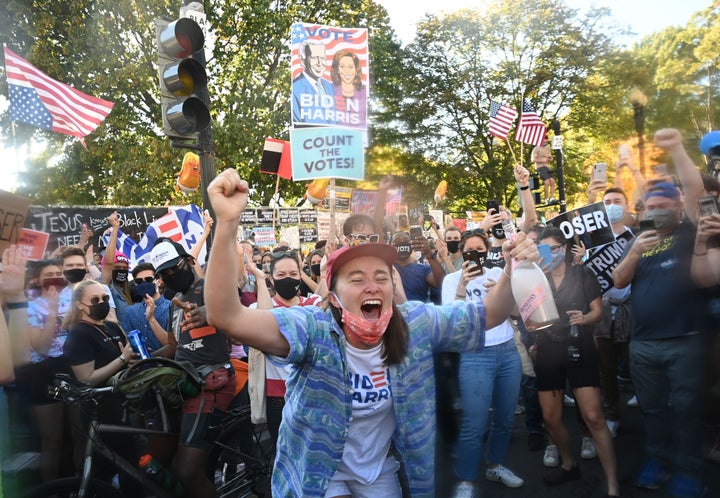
(318, 408)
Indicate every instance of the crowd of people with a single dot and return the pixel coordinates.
(356, 354)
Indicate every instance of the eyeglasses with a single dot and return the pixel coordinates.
(285, 254)
(361, 237)
(146, 279)
(473, 232)
(95, 300)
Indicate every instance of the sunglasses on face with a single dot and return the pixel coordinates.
(95, 299)
(145, 279)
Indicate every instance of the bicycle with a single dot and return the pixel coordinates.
(246, 480)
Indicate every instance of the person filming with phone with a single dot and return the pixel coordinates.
(668, 341)
(498, 364)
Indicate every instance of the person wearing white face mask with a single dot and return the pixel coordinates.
(361, 388)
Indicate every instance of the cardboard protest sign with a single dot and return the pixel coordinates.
(330, 76)
(32, 243)
(603, 261)
(589, 223)
(327, 153)
(13, 211)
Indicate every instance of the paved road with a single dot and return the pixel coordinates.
(528, 465)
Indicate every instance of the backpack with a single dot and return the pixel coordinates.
(154, 386)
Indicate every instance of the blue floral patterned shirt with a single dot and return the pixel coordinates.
(318, 408)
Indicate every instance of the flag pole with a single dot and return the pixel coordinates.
(276, 197)
(331, 234)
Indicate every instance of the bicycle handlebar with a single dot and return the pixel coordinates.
(65, 390)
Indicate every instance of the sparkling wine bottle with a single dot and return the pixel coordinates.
(531, 290)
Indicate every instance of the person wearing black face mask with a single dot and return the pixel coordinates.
(310, 280)
(285, 275)
(207, 349)
(417, 278)
(453, 260)
(115, 272)
(492, 224)
(96, 350)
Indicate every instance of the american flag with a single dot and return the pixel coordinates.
(184, 225)
(353, 39)
(501, 119)
(39, 100)
(531, 129)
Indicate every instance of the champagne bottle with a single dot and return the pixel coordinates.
(531, 290)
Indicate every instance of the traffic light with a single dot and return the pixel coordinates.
(182, 77)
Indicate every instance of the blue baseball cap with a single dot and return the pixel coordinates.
(663, 189)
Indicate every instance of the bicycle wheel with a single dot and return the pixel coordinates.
(68, 487)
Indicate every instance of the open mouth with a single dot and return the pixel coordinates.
(371, 309)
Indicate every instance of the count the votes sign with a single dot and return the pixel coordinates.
(590, 223)
(327, 153)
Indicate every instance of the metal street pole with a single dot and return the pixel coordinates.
(206, 146)
(557, 147)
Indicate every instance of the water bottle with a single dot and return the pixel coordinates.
(531, 290)
(160, 474)
(137, 343)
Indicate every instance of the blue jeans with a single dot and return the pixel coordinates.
(489, 378)
(669, 380)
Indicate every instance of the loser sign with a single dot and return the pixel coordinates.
(590, 223)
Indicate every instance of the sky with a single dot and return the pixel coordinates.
(643, 16)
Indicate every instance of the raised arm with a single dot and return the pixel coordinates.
(195, 250)
(14, 336)
(256, 328)
(109, 264)
(379, 210)
(522, 175)
(705, 267)
(670, 141)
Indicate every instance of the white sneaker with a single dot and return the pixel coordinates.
(464, 489)
(551, 458)
(633, 402)
(613, 426)
(568, 400)
(588, 450)
(504, 475)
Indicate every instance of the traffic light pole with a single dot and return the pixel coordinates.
(207, 151)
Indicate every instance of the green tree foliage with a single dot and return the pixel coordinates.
(107, 48)
(544, 52)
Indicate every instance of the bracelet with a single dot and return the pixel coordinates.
(17, 306)
(506, 273)
(460, 296)
(526, 187)
(700, 254)
(125, 362)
